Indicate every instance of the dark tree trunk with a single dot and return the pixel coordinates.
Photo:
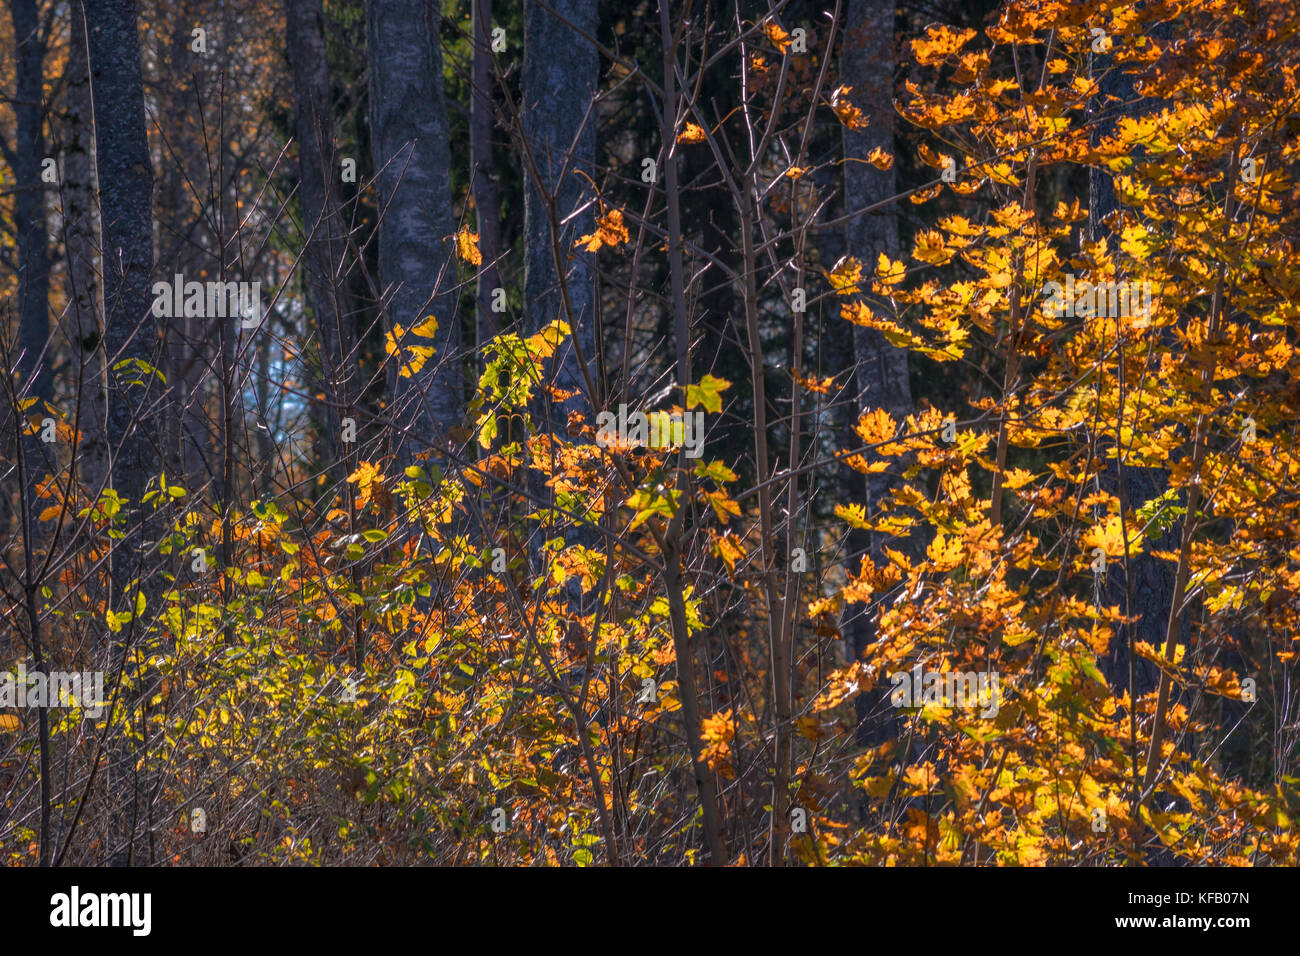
(560, 76)
(486, 201)
(29, 205)
(28, 154)
(187, 340)
(409, 140)
(81, 265)
(126, 194)
(880, 371)
(323, 224)
(1148, 580)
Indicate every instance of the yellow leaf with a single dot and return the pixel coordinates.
(722, 506)
(888, 272)
(930, 248)
(1109, 536)
(945, 552)
(414, 356)
(426, 329)
(858, 314)
(1017, 478)
(365, 474)
(543, 343)
(845, 275)
(1133, 241)
(855, 516)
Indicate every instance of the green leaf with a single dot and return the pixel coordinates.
(375, 534)
(716, 470)
(708, 393)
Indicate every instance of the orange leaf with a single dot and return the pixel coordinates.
(467, 247)
(610, 231)
(693, 133)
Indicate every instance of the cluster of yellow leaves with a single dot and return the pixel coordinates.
(717, 732)
(413, 357)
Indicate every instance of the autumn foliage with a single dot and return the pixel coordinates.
(526, 645)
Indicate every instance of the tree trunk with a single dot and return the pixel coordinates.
(880, 372)
(486, 202)
(560, 76)
(26, 158)
(1146, 579)
(187, 340)
(29, 205)
(81, 265)
(412, 159)
(126, 193)
(323, 224)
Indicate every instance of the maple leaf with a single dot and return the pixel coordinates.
(849, 115)
(722, 506)
(880, 159)
(930, 248)
(939, 43)
(844, 276)
(890, 272)
(779, 37)
(855, 516)
(427, 329)
(467, 247)
(1109, 536)
(610, 231)
(859, 314)
(707, 393)
(1017, 478)
(876, 426)
(945, 552)
(365, 474)
(728, 547)
(543, 343)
